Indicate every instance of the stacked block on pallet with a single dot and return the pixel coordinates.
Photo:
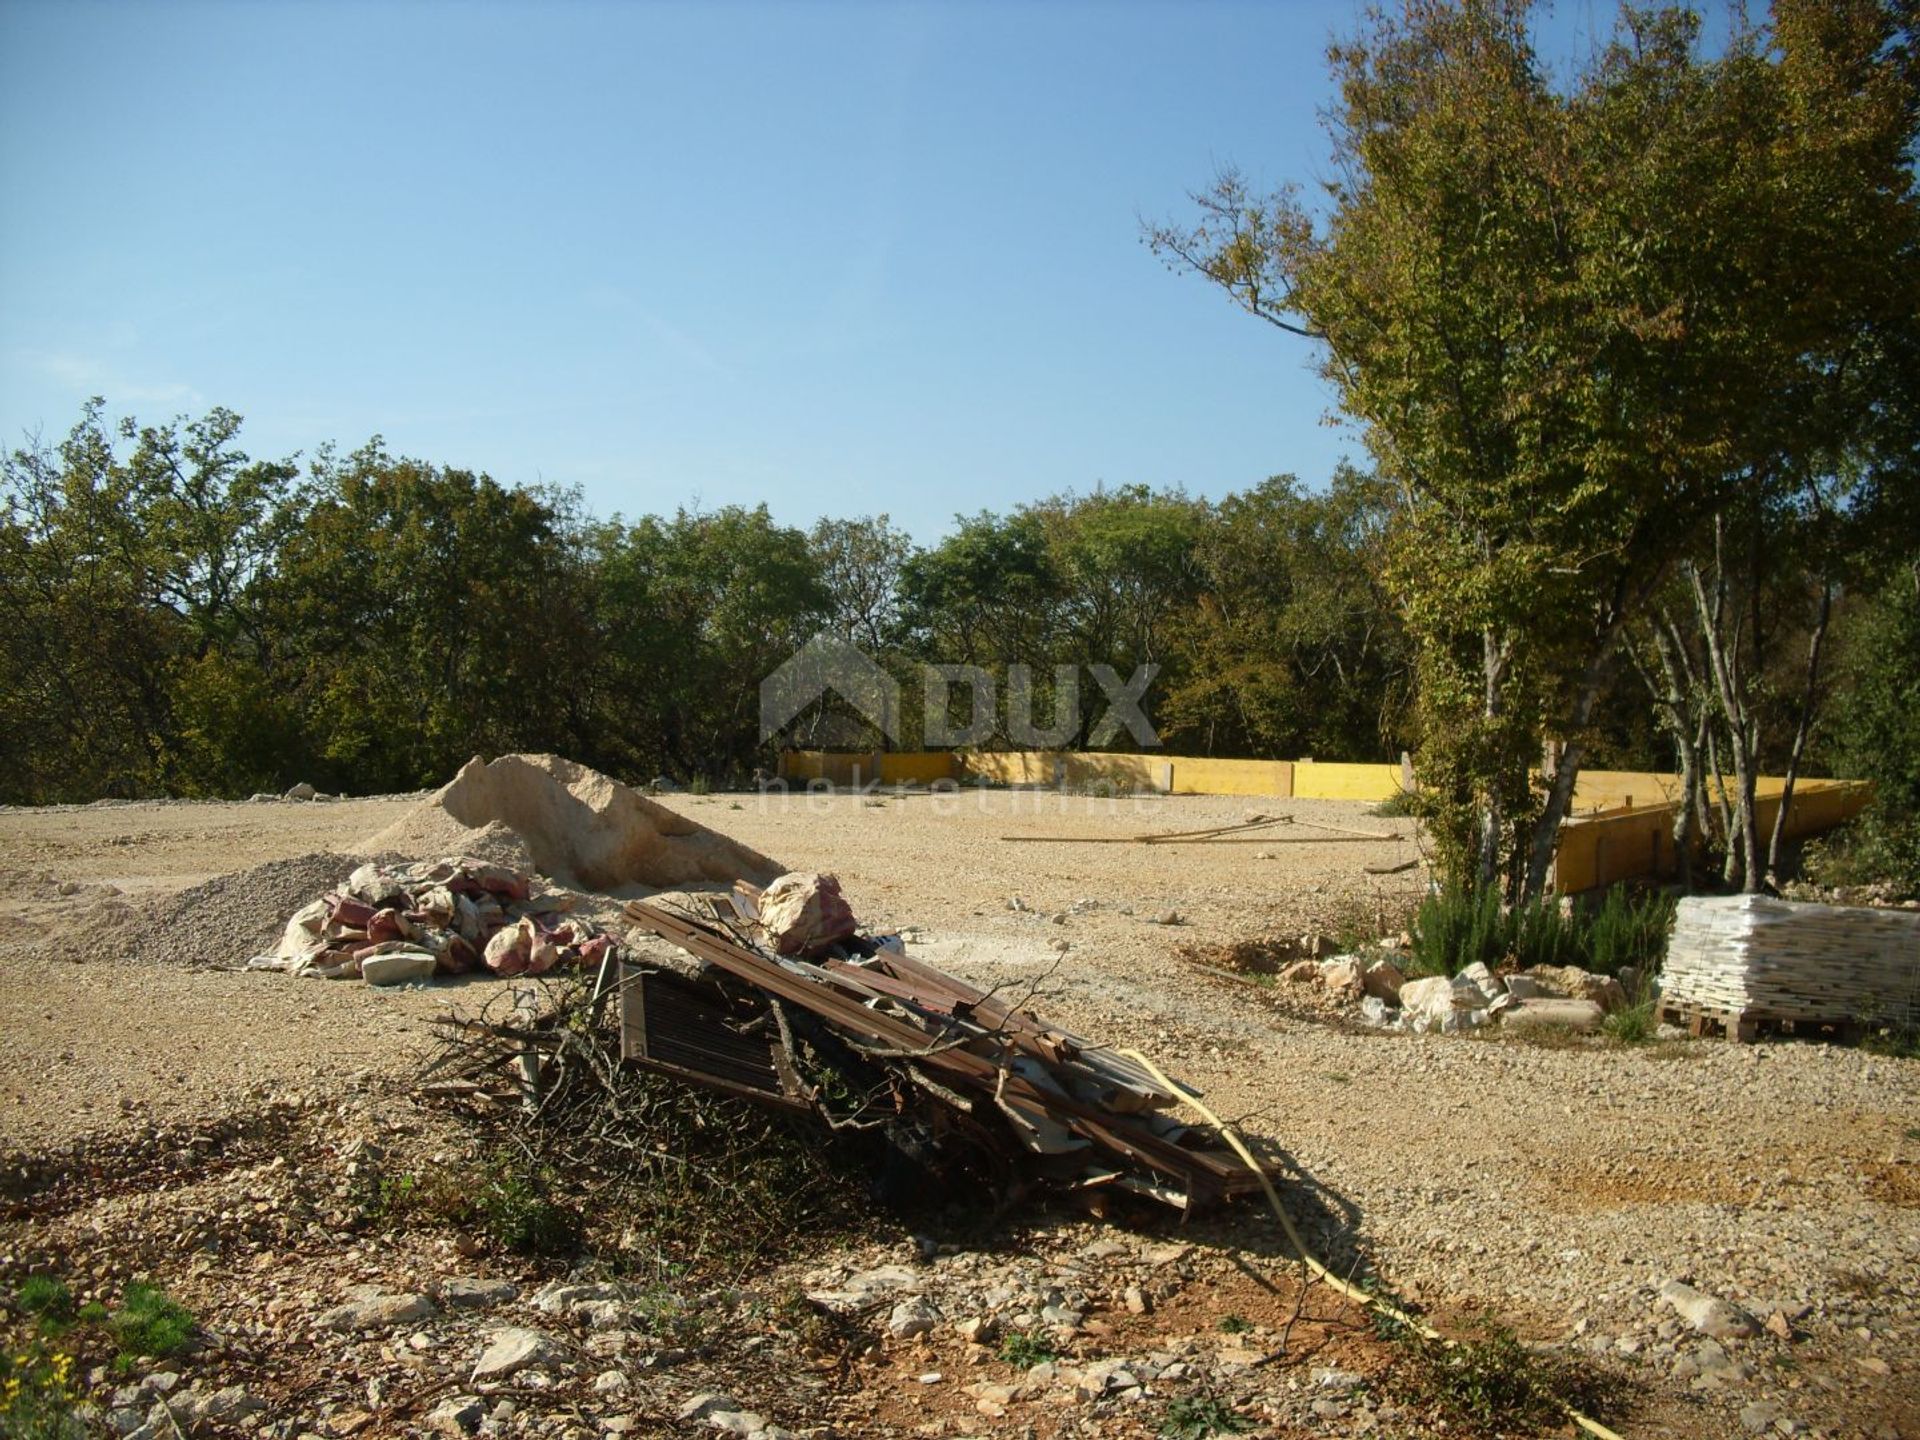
(1751, 957)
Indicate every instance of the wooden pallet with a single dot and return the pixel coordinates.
(1745, 1027)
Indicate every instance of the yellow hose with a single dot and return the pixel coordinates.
(1307, 1257)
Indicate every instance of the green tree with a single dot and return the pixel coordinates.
(1293, 646)
(1575, 321)
(423, 615)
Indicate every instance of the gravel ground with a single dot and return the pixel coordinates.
(1557, 1186)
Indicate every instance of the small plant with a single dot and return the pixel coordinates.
(1024, 1349)
(1338, 1077)
(1194, 1417)
(1235, 1324)
(699, 785)
(37, 1396)
(48, 1299)
(149, 1323)
(1634, 1025)
(1494, 1382)
(1913, 1132)
(1396, 806)
(518, 1214)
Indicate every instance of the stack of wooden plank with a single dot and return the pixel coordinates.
(1754, 958)
(866, 1036)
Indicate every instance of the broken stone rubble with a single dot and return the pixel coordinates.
(404, 924)
(1546, 996)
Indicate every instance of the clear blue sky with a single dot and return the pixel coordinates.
(842, 258)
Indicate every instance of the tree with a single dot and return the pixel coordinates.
(1574, 324)
(1292, 647)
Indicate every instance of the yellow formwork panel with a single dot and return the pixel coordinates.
(1087, 769)
(1315, 780)
(1637, 843)
(1009, 767)
(1602, 790)
(919, 767)
(1232, 777)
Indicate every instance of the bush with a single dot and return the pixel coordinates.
(1625, 931)
(1454, 928)
(151, 1323)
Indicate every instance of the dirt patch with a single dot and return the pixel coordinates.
(577, 826)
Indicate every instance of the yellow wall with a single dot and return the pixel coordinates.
(1596, 790)
(919, 768)
(1313, 780)
(1232, 777)
(1621, 829)
(1637, 843)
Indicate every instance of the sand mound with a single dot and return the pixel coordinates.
(576, 825)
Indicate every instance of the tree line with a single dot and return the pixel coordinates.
(178, 618)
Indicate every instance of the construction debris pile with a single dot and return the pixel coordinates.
(1746, 960)
(1375, 989)
(776, 996)
(389, 925)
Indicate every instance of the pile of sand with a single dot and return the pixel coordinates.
(572, 824)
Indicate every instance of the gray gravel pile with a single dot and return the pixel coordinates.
(231, 917)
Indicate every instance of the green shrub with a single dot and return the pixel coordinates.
(1455, 927)
(150, 1322)
(1494, 1382)
(1627, 931)
(1543, 934)
(518, 1213)
(1025, 1349)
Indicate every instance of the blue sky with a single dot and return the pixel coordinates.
(842, 258)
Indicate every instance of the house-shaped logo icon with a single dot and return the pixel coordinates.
(826, 663)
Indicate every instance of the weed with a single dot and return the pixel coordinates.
(1634, 1025)
(1902, 1042)
(1493, 1381)
(37, 1395)
(48, 1299)
(1860, 1284)
(149, 1323)
(1024, 1349)
(1913, 1132)
(517, 1212)
(1194, 1417)
(1396, 806)
(1338, 1077)
(699, 785)
(1235, 1324)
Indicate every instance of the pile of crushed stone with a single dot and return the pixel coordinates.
(576, 825)
(227, 920)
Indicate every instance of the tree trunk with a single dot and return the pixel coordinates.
(1808, 696)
